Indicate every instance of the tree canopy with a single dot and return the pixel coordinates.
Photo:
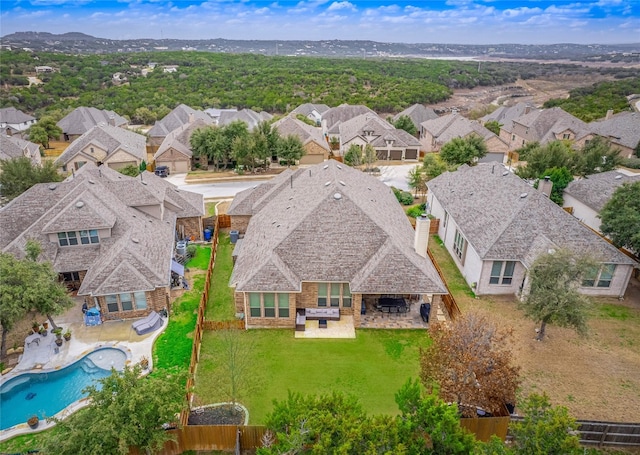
(470, 363)
(553, 296)
(621, 217)
(463, 150)
(17, 175)
(125, 410)
(561, 177)
(404, 122)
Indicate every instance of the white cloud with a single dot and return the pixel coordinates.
(336, 6)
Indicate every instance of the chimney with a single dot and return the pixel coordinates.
(544, 186)
(609, 114)
(527, 109)
(112, 120)
(421, 237)
(192, 117)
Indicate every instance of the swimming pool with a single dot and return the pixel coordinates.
(47, 393)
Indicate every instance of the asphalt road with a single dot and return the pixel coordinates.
(390, 175)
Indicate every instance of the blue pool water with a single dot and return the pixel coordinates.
(45, 394)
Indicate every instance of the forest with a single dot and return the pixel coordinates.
(275, 84)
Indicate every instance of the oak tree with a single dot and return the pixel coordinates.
(621, 217)
(465, 150)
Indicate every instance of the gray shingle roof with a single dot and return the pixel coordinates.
(595, 190)
(137, 254)
(343, 113)
(331, 223)
(289, 126)
(307, 108)
(505, 115)
(179, 139)
(110, 138)
(543, 124)
(176, 118)
(82, 119)
(454, 125)
(622, 128)
(248, 116)
(11, 115)
(485, 202)
(14, 147)
(418, 113)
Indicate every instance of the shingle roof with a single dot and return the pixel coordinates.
(307, 108)
(248, 116)
(82, 119)
(595, 190)
(331, 223)
(14, 147)
(418, 113)
(176, 118)
(179, 139)
(137, 254)
(622, 128)
(110, 138)
(289, 126)
(11, 115)
(543, 124)
(505, 218)
(454, 125)
(343, 113)
(505, 115)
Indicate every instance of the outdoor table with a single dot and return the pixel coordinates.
(34, 338)
(390, 302)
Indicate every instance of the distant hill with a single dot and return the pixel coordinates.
(86, 44)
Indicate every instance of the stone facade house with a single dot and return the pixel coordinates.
(14, 147)
(495, 225)
(334, 117)
(104, 144)
(389, 142)
(14, 122)
(548, 125)
(505, 115)
(110, 237)
(315, 145)
(175, 150)
(324, 237)
(621, 130)
(587, 196)
(82, 119)
(178, 117)
(437, 132)
(418, 113)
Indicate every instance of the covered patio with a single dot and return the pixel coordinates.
(399, 311)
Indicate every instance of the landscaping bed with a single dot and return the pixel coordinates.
(217, 415)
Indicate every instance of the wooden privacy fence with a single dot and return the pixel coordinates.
(210, 437)
(224, 221)
(223, 325)
(197, 333)
(448, 300)
(485, 427)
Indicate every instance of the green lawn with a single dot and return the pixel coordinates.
(372, 367)
(220, 306)
(201, 260)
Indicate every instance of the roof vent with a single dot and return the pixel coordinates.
(523, 195)
(342, 183)
(327, 183)
(325, 166)
(337, 196)
(143, 182)
(135, 240)
(79, 204)
(618, 177)
(505, 173)
(53, 187)
(91, 181)
(255, 186)
(338, 166)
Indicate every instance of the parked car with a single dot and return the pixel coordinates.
(162, 171)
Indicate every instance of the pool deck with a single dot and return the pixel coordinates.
(46, 356)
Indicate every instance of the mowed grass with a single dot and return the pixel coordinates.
(220, 306)
(201, 259)
(371, 367)
(457, 285)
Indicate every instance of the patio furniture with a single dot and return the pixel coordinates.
(33, 338)
(331, 314)
(425, 310)
(300, 321)
(393, 305)
(322, 323)
(148, 324)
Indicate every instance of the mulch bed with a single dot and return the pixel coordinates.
(219, 415)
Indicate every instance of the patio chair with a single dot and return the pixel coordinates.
(385, 309)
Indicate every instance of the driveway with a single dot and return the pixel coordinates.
(390, 175)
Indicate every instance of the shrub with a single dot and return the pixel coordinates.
(633, 163)
(192, 250)
(416, 211)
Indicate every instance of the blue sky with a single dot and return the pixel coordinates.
(417, 21)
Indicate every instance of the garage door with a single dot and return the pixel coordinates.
(411, 154)
(312, 159)
(382, 154)
(121, 164)
(396, 155)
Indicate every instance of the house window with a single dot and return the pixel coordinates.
(283, 305)
(112, 303)
(335, 294)
(566, 136)
(600, 277)
(140, 300)
(254, 305)
(67, 238)
(126, 302)
(70, 276)
(502, 272)
(269, 302)
(513, 137)
(322, 294)
(346, 296)
(460, 246)
(71, 238)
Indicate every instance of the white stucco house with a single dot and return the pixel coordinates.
(495, 225)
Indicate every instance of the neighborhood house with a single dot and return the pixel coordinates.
(321, 242)
(110, 237)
